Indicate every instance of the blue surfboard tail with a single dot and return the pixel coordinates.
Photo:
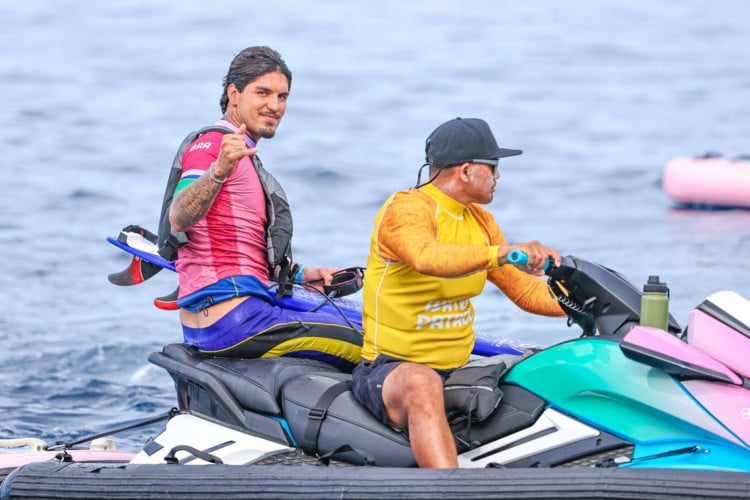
(146, 262)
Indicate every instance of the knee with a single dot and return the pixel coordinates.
(413, 392)
(423, 379)
(419, 388)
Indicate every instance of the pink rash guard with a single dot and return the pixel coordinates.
(230, 239)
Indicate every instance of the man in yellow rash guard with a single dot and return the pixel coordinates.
(432, 250)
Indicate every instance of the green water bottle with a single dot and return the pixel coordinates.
(655, 303)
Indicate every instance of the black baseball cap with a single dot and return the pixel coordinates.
(464, 140)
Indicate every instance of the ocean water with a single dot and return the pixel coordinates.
(96, 96)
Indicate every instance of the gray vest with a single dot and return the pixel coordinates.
(279, 215)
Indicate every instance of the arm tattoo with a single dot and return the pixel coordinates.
(192, 203)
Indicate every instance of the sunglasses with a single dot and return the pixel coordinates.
(491, 163)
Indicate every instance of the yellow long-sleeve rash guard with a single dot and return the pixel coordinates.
(429, 256)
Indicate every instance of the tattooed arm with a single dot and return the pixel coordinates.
(191, 203)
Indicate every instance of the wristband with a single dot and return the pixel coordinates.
(298, 274)
(213, 177)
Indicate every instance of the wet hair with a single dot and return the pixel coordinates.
(249, 65)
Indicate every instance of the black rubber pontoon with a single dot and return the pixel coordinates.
(81, 481)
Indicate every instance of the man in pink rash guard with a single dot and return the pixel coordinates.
(221, 205)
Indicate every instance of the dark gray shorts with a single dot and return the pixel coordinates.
(367, 383)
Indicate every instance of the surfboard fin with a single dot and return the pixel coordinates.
(168, 302)
(137, 272)
(139, 269)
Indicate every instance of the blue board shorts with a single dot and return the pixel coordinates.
(255, 328)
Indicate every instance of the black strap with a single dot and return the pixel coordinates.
(170, 457)
(285, 279)
(318, 413)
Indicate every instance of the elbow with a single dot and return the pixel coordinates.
(431, 269)
(424, 268)
(176, 222)
(176, 225)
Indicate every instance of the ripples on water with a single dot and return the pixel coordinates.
(97, 95)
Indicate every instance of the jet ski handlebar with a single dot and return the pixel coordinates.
(520, 257)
